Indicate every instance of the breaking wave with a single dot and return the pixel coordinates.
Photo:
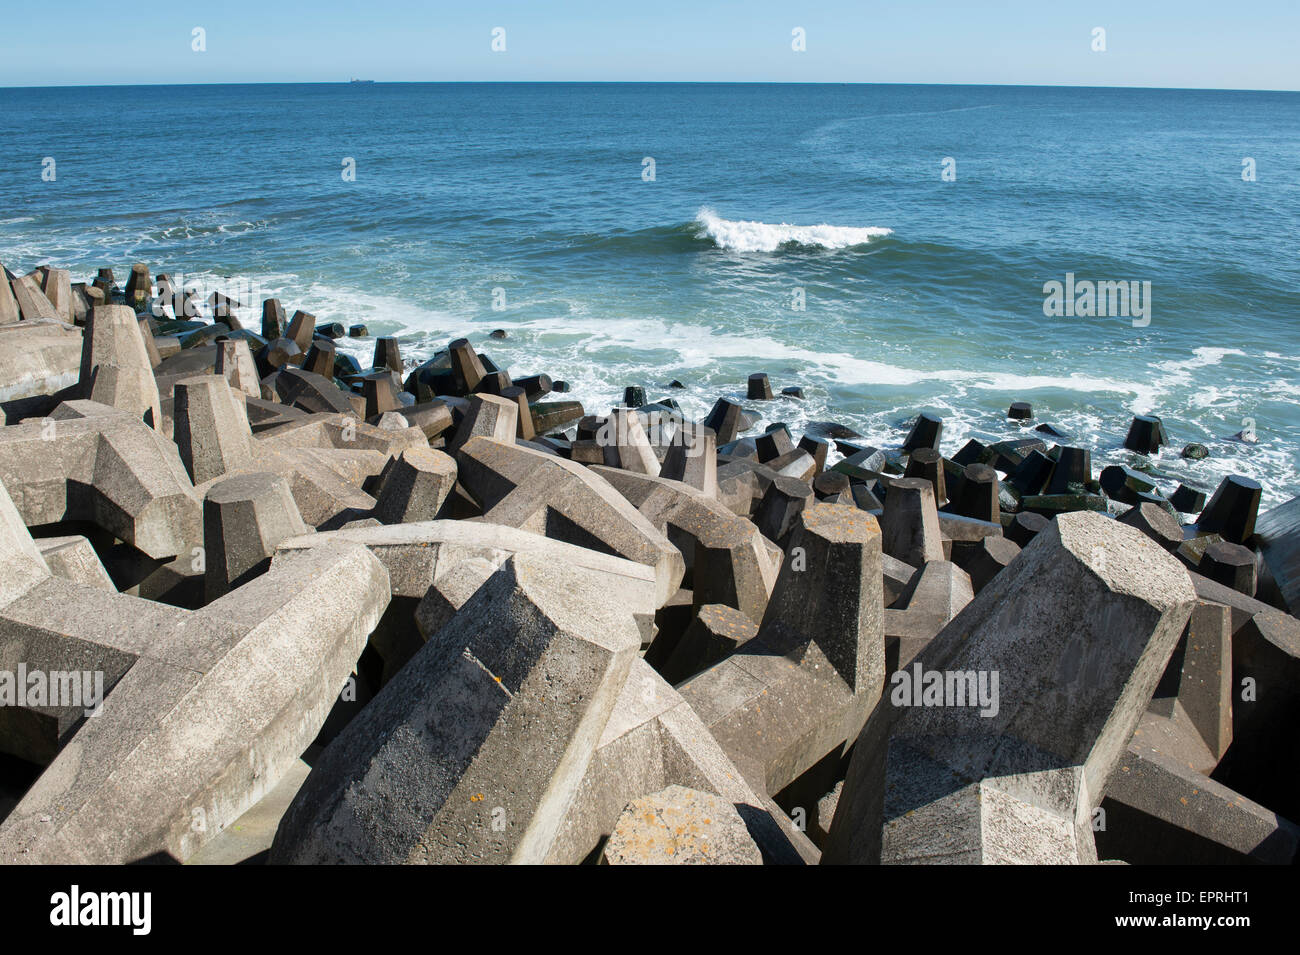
(739, 235)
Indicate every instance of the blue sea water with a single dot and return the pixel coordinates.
(529, 207)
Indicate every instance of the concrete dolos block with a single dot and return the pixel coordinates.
(523, 488)
(654, 739)
(414, 485)
(211, 429)
(727, 561)
(115, 366)
(38, 358)
(244, 518)
(109, 469)
(473, 752)
(1078, 630)
(805, 684)
(205, 711)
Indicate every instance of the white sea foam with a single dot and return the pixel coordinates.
(1180, 371)
(739, 235)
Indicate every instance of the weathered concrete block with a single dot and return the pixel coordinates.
(725, 420)
(276, 354)
(418, 556)
(211, 427)
(926, 431)
(550, 417)
(380, 393)
(1278, 533)
(693, 458)
(832, 487)
(1146, 434)
(433, 418)
(448, 593)
(760, 387)
(341, 432)
(38, 358)
(1231, 565)
(625, 445)
(32, 303)
(244, 519)
(796, 463)
(654, 739)
(1072, 472)
(978, 495)
(679, 826)
(21, 561)
(777, 513)
(773, 444)
(989, 559)
(392, 421)
(1157, 523)
(1187, 500)
(1265, 672)
(8, 304)
(1079, 628)
(414, 485)
(146, 335)
(726, 559)
(116, 792)
(804, 685)
(895, 577)
(474, 751)
(1197, 684)
(716, 631)
(1124, 484)
(931, 598)
(387, 354)
(817, 448)
(302, 328)
(58, 289)
(73, 558)
(466, 367)
(115, 367)
(1232, 510)
(1160, 811)
(909, 529)
(320, 358)
(273, 319)
(108, 469)
(235, 364)
(1025, 526)
(524, 430)
(927, 463)
(139, 287)
(1161, 805)
(520, 487)
(488, 416)
(1031, 474)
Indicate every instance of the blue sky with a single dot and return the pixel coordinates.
(1188, 43)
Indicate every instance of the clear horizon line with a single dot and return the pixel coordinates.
(374, 82)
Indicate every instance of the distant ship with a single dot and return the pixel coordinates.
(354, 80)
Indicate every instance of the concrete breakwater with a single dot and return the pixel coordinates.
(502, 628)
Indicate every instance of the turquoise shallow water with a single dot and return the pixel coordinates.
(919, 293)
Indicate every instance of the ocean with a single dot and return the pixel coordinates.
(886, 248)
